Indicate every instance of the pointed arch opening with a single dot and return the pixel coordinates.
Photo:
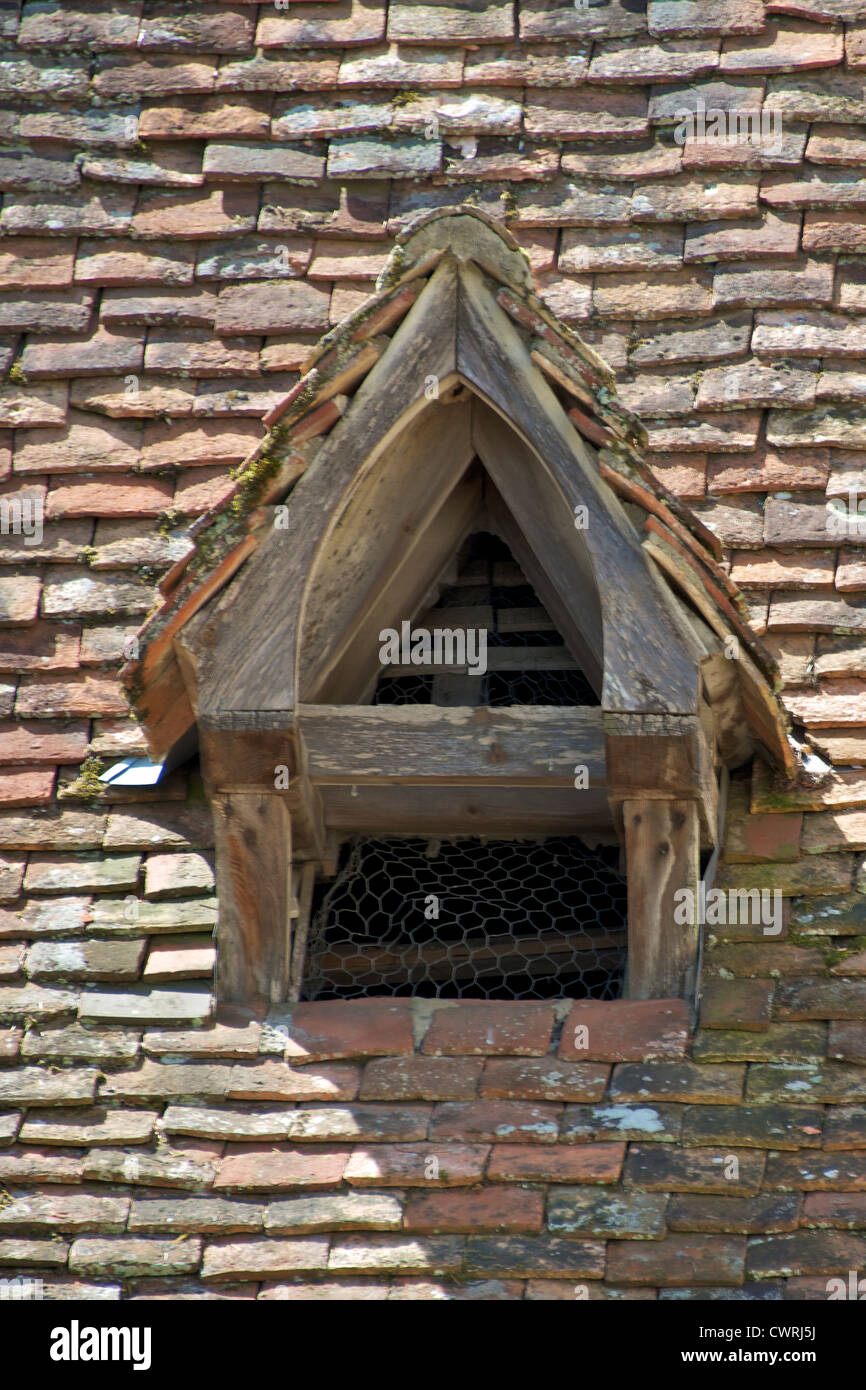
(454, 469)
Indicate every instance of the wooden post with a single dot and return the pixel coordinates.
(254, 867)
(307, 883)
(662, 847)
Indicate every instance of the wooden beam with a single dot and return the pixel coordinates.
(266, 762)
(534, 745)
(164, 710)
(247, 760)
(495, 812)
(544, 355)
(649, 658)
(762, 710)
(525, 620)
(766, 717)
(308, 819)
(187, 663)
(710, 592)
(254, 865)
(720, 679)
(458, 615)
(659, 757)
(662, 848)
(503, 524)
(540, 532)
(378, 534)
(301, 931)
(252, 665)
(732, 733)
(403, 591)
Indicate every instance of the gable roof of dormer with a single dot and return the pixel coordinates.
(456, 302)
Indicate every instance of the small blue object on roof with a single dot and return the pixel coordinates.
(133, 772)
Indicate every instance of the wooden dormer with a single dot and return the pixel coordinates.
(452, 405)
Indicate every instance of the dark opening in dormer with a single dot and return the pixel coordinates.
(469, 919)
(528, 661)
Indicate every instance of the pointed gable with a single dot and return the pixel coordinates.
(453, 394)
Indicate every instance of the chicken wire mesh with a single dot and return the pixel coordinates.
(468, 919)
(404, 690)
(536, 688)
(496, 688)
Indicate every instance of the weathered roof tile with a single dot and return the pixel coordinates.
(88, 209)
(117, 76)
(86, 25)
(342, 23)
(211, 28)
(219, 212)
(705, 17)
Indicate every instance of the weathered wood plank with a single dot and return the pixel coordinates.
(377, 535)
(650, 495)
(650, 662)
(732, 733)
(529, 744)
(495, 812)
(457, 615)
(525, 620)
(308, 819)
(163, 707)
(762, 712)
(265, 761)
(544, 355)
(301, 930)
(765, 716)
(247, 760)
(542, 536)
(259, 761)
(254, 865)
(406, 589)
(164, 711)
(735, 743)
(662, 846)
(716, 585)
(563, 616)
(659, 757)
(252, 666)
(490, 950)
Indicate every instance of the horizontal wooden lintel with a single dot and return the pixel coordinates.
(526, 745)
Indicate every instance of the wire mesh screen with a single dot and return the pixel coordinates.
(404, 690)
(528, 661)
(536, 688)
(467, 919)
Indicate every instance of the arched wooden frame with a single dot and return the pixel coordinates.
(276, 647)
